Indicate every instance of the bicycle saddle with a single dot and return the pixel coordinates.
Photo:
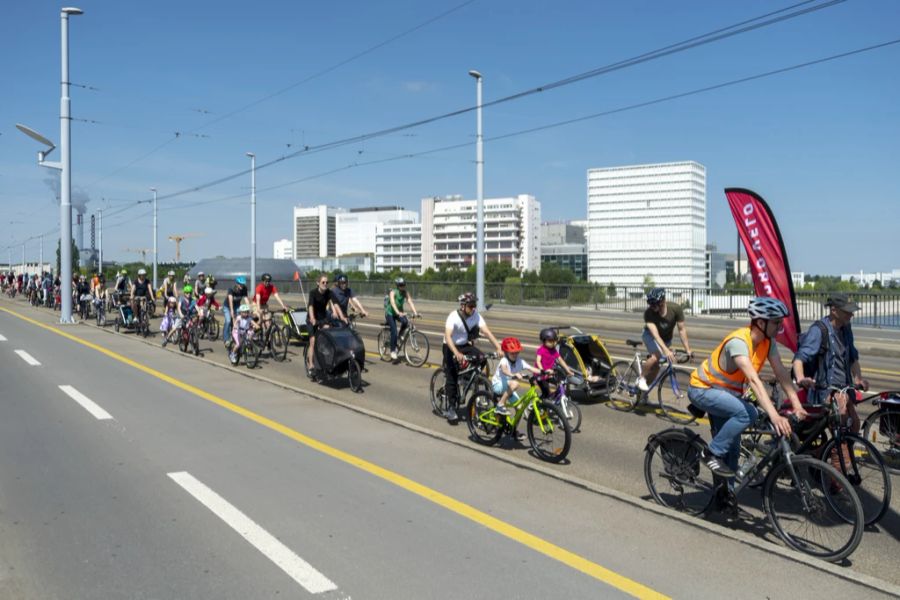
(634, 343)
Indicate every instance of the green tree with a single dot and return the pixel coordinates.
(555, 274)
(497, 272)
(611, 290)
(648, 282)
(75, 257)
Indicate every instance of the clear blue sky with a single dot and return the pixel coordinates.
(820, 144)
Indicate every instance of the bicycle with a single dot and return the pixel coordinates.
(671, 386)
(549, 432)
(189, 335)
(561, 399)
(473, 376)
(249, 350)
(411, 343)
(100, 310)
(209, 326)
(142, 319)
(271, 337)
(882, 428)
(809, 503)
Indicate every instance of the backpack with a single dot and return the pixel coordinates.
(815, 367)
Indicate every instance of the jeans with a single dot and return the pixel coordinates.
(226, 328)
(729, 417)
(392, 321)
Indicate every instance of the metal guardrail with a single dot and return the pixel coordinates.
(877, 309)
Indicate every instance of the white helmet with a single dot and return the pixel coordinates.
(172, 300)
(244, 308)
(142, 271)
(171, 274)
(209, 291)
(765, 307)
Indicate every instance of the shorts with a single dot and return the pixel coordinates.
(650, 343)
(500, 386)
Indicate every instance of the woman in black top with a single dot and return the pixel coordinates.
(317, 314)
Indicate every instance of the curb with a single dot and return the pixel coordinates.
(846, 574)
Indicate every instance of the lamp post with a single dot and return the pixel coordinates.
(100, 241)
(252, 220)
(155, 255)
(479, 210)
(41, 259)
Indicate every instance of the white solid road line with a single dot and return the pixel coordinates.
(297, 568)
(85, 402)
(2, 338)
(28, 358)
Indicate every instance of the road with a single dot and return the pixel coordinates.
(206, 483)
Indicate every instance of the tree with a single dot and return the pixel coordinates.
(75, 257)
(498, 272)
(555, 274)
(649, 284)
(611, 290)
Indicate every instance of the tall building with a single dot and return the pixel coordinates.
(283, 249)
(511, 231)
(398, 245)
(647, 220)
(356, 228)
(563, 244)
(315, 229)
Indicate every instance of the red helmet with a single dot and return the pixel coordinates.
(511, 345)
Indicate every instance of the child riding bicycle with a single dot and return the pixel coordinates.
(511, 370)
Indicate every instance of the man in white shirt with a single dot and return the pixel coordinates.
(462, 328)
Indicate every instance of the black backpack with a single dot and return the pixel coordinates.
(815, 367)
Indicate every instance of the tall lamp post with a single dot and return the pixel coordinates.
(252, 220)
(100, 241)
(155, 255)
(64, 165)
(479, 210)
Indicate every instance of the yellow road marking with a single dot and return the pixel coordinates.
(575, 561)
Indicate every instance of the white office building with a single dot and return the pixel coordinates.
(315, 230)
(283, 249)
(512, 231)
(647, 220)
(398, 245)
(356, 228)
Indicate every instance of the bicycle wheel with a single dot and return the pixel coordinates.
(672, 393)
(384, 338)
(101, 317)
(549, 433)
(621, 386)
(572, 412)
(277, 345)
(145, 325)
(867, 467)
(251, 351)
(818, 513)
(305, 359)
(437, 393)
(354, 375)
(485, 425)
(183, 339)
(673, 473)
(882, 428)
(416, 349)
(195, 340)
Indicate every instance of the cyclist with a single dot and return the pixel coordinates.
(46, 288)
(394, 306)
(717, 385)
(206, 303)
(660, 320)
(243, 323)
(140, 288)
(233, 300)
(201, 284)
(171, 320)
(345, 297)
(509, 373)
(548, 358)
(264, 291)
(123, 282)
(169, 285)
(82, 291)
(317, 306)
(462, 328)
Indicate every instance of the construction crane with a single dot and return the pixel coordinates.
(142, 251)
(177, 238)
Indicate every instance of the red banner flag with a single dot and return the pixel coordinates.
(766, 257)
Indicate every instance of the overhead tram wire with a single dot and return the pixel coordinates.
(745, 26)
(316, 75)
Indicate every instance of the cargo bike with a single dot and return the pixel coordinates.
(339, 352)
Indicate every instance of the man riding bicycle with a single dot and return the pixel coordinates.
(345, 297)
(264, 291)
(140, 288)
(717, 385)
(462, 328)
(660, 320)
(394, 312)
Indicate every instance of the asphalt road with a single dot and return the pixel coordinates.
(145, 504)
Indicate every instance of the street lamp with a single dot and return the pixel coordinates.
(252, 219)
(65, 165)
(155, 255)
(479, 210)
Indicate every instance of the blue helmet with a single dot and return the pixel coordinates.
(241, 280)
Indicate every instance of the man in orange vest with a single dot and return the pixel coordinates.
(717, 385)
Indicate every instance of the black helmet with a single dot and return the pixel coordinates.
(549, 333)
(468, 298)
(266, 277)
(341, 278)
(399, 281)
(656, 295)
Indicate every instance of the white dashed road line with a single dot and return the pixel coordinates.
(28, 358)
(86, 403)
(2, 338)
(297, 568)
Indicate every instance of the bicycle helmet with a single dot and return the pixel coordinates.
(209, 291)
(656, 295)
(172, 300)
(341, 278)
(123, 272)
(399, 282)
(266, 278)
(468, 299)
(170, 274)
(142, 272)
(766, 307)
(511, 345)
(200, 274)
(244, 308)
(241, 280)
(549, 334)
(188, 289)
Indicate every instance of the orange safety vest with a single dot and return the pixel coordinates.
(708, 374)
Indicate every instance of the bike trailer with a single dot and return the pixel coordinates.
(586, 355)
(296, 320)
(335, 347)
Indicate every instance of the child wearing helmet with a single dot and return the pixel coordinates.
(548, 357)
(242, 324)
(510, 373)
(170, 320)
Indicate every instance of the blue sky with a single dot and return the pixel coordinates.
(820, 144)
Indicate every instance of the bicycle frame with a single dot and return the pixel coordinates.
(666, 370)
(529, 399)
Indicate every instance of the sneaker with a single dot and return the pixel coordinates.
(520, 436)
(393, 355)
(232, 356)
(164, 342)
(450, 414)
(716, 464)
(642, 384)
(502, 409)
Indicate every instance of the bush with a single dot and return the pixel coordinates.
(512, 290)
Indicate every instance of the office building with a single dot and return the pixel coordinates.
(563, 244)
(398, 246)
(356, 228)
(647, 220)
(315, 229)
(283, 249)
(512, 231)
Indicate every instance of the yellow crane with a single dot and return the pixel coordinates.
(177, 238)
(142, 251)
